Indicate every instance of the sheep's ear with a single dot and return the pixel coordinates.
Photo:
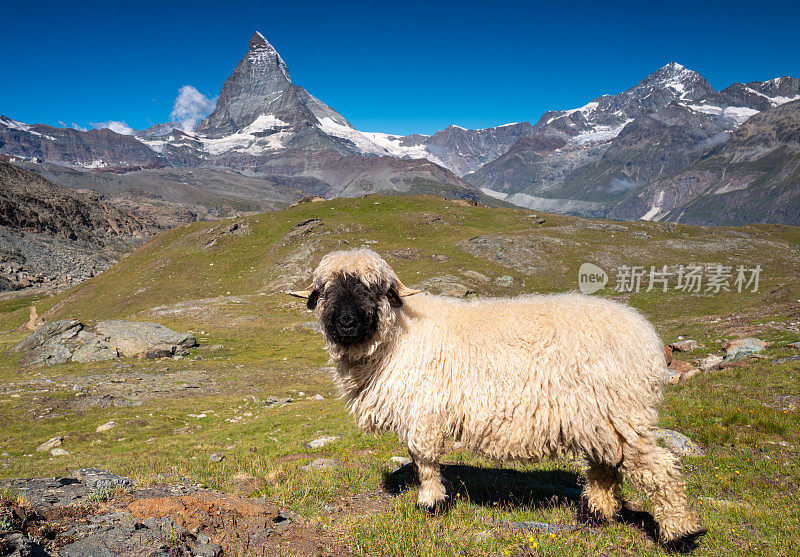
(394, 298)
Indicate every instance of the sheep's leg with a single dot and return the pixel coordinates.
(601, 494)
(426, 455)
(655, 471)
(432, 492)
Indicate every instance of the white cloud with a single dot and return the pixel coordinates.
(73, 125)
(618, 185)
(713, 141)
(191, 106)
(119, 127)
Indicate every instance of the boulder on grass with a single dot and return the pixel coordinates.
(132, 338)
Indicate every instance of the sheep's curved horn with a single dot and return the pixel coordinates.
(301, 293)
(403, 290)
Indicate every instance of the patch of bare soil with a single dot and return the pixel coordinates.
(70, 517)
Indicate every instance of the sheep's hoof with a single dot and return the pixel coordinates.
(687, 543)
(437, 507)
(436, 503)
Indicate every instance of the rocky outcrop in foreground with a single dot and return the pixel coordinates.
(92, 512)
(71, 340)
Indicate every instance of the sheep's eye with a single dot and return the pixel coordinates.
(311, 303)
(394, 298)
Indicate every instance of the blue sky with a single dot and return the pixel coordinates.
(394, 67)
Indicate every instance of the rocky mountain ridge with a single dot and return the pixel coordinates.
(588, 160)
(52, 235)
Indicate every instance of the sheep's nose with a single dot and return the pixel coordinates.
(347, 320)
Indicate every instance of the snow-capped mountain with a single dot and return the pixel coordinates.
(458, 149)
(598, 159)
(754, 176)
(263, 124)
(261, 112)
(591, 159)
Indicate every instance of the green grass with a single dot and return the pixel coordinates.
(746, 485)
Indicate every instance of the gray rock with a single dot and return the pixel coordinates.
(121, 535)
(312, 326)
(475, 275)
(50, 444)
(48, 354)
(111, 424)
(684, 345)
(709, 362)
(94, 348)
(401, 460)
(97, 479)
(678, 443)
(132, 338)
(14, 544)
(58, 451)
(446, 285)
(504, 280)
(793, 358)
(322, 464)
(740, 349)
(271, 401)
(67, 340)
(322, 441)
(216, 457)
(47, 332)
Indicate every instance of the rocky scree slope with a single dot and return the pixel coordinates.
(55, 235)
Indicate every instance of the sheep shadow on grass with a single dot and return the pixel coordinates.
(508, 489)
(496, 487)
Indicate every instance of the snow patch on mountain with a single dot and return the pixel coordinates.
(546, 203)
(736, 113)
(362, 142)
(777, 100)
(249, 139)
(14, 124)
(599, 134)
(23, 127)
(392, 144)
(655, 209)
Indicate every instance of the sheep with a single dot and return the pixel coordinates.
(511, 378)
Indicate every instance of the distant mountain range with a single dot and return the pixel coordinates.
(670, 148)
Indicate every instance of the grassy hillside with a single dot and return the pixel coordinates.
(224, 281)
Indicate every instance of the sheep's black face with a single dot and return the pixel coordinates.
(350, 311)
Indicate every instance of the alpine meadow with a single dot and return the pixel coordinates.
(234, 322)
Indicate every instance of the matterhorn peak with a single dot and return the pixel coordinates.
(255, 87)
(263, 53)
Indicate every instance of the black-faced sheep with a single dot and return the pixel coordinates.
(519, 378)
